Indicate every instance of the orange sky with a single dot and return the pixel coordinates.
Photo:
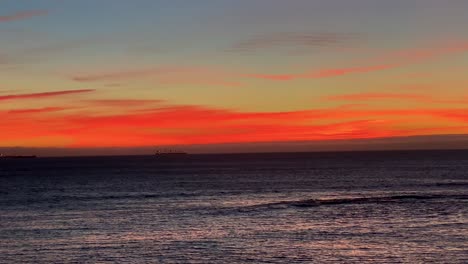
(274, 74)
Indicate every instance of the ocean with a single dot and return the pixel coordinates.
(348, 207)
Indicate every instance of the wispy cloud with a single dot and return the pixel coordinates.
(200, 75)
(130, 74)
(292, 40)
(161, 124)
(36, 110)
(218, 77)
(42, 95)
(125, 102)
(378, 97)
(179, 75)
(388, 61)
(22, 15)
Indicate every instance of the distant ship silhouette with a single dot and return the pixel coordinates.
(170, 153)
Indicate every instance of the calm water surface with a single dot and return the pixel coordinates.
(369, 207)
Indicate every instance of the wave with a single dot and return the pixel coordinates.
(461, 184)
(55, 199)
(355, 200)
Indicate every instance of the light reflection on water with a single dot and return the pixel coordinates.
(136, 217)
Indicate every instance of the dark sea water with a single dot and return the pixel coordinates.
(365, 207)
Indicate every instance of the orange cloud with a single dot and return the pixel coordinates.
(41, 95)
(377, 96)
(218, 77)
(124, 102)
(396, 96)
(36, 110)
(185, 124)
(22, 15)
(390, 61)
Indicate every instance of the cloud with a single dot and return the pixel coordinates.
(42, 95)
(422, 98)
(218, 77)
(172, 75)
(36, 110)
(189, 125)
(130, 74)
(125, 102)
(22, 15)
(292, 40)
(378, 96)
(159, 123)
(385, 62)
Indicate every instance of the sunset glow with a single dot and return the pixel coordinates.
(145, 73)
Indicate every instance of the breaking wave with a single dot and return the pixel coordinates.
(356, 200)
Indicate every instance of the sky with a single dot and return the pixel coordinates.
(127, 74)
